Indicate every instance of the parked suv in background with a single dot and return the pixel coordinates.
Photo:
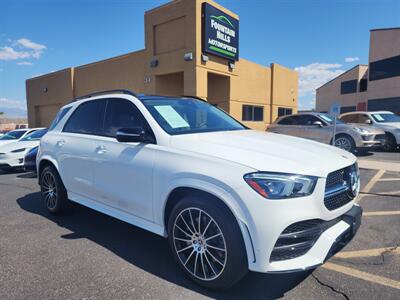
(384, 120)
(319, 127)
(229, 199)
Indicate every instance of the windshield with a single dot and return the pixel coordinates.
(12, 135)
(386, 118)
(35, 136)
(182, 116)
(330, 119)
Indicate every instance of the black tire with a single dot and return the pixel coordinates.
(53, 192)
(215, 268)
(345, 142)
(391, 143)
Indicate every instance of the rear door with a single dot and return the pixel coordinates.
(74, 147)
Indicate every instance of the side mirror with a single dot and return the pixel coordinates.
(130, 135)
(368, 121)
(318, 123)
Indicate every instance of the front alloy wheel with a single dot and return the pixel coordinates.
(199, 244)
(206, 241)
(345, 143)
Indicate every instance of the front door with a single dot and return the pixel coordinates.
(123, 171)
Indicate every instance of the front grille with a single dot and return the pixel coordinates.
(335, 178)
(336, 201)
(338, 190)
(297, 239)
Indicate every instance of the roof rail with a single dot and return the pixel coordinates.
(120, 91)
(194, 97)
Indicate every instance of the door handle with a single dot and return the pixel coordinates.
(101, 149)
(60, 143)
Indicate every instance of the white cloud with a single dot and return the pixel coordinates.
(10, 103)
(8, 53)
(351, 59)
(37, 49)
(24, 63)
(22, 49)
(314, 75)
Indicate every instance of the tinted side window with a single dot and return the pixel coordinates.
(61, 113)
(293, 120)
(362, 118)
(122, 113)
(349, 118)
(86, 119)
(307, 120)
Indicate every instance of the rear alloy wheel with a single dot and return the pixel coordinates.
(53, 192)
(207, 242)
(345, 142)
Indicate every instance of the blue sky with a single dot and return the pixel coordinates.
(320, 39)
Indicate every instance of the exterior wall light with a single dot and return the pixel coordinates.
(154, 63)
(231, 65)
(45, 90)
(204, 57)
(188, 56)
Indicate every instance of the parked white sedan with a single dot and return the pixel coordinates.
(15, 135)
(12, 154)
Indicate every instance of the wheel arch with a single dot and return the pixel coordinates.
(44, 162)
(177, 193)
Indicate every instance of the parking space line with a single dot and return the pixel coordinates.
(367, 253)
(389, 179)
(381, 213)
(391, 193)
(370, 184)
(362, 275)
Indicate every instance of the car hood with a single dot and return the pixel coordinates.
(266, 151)
(6, 142)
(18, 145)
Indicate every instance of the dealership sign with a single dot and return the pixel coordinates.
(220, 33)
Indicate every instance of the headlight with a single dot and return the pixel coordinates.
(362, 130)
(281, 185)
(18, 150)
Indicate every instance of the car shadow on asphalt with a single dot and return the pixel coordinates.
(151, 252)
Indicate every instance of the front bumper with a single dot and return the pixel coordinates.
(266, 220)
(12, 160)
(349, 224)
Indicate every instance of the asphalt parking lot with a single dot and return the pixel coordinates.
(86, 254)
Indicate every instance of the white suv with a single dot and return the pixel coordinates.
(229, 199)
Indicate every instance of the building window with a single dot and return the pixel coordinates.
(282, 111)
(348, 87)
(345, 109)
(385, 68)
(363, 85)
(252, 113)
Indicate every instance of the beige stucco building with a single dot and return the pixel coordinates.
(371, 87)
(174, 63)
